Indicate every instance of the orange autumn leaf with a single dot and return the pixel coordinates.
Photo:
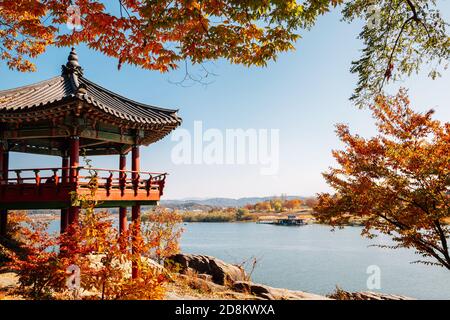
(157, 35)
(397, 182)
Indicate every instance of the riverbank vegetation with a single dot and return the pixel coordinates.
(277, 207)
(213, 215)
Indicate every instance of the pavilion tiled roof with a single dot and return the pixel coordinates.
(71, 85)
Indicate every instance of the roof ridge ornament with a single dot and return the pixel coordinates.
(72, 66)
(82, 89)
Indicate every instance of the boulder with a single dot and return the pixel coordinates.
(255, 289)
(201, 284)
(221, 272)
(270, 293)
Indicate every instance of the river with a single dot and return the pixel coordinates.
(312, 258)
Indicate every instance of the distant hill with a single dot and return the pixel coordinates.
(202, 204)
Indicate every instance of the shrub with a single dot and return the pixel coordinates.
(102, 256)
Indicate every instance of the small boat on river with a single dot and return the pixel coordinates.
(291, 220)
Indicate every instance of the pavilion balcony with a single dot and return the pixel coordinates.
(69, 115)
(53, 188)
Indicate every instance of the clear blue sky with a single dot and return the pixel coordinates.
(304, 93)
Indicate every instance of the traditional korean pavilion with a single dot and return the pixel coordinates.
(68, 116)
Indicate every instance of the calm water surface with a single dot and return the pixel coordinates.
(312, 258)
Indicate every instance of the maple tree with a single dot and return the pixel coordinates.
(398, 182)
(95, 247)
(399, 35)
(36, 264)
(162, 233)
(106, 263)
(157, 34)
(11, 243)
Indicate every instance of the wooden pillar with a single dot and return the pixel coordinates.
(123, 223)
(135, 160)
(74, 151)
(64, 180)
(4, 160)
(122, 210)
(136, 218)
(123, 228)
(64, 220)
(74, 157)
(136, 209)
(65, 169)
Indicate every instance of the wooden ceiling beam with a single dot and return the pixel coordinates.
(35, 150)
(107, 136)
(102, 152)
(35, 133)
(91, 144)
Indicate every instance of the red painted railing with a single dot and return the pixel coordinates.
(124, 180)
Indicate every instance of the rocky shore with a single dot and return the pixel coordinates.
(215, 279)
(210, 277)
(205, 278)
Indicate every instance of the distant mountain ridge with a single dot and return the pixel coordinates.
(203, 204)
(220, 202)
